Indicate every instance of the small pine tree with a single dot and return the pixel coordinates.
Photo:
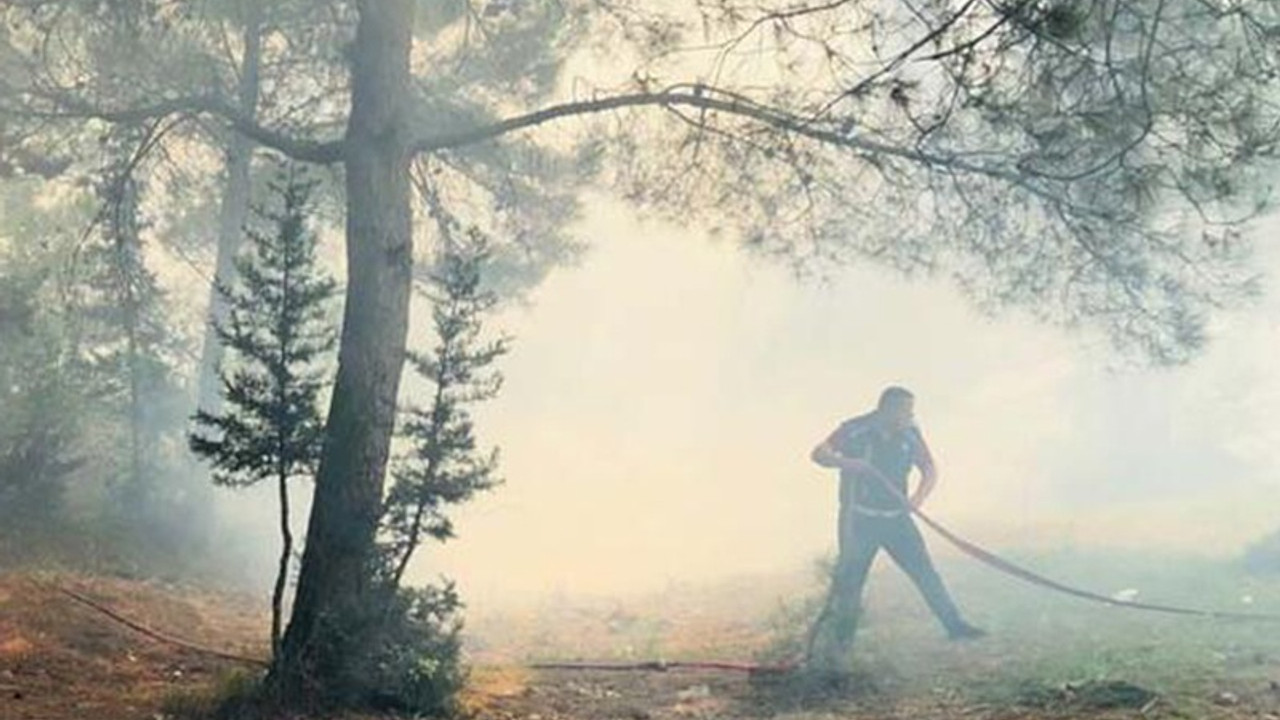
(443, 466)
(278, 333)
(411, 639)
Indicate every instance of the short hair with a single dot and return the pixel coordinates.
(893, 395)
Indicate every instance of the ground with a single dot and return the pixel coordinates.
(60, 659)
(1047, 657)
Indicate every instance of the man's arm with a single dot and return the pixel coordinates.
(928, 470)
(826, 454)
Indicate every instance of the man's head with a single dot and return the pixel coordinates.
(896, 408)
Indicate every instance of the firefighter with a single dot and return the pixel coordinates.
(875, 453)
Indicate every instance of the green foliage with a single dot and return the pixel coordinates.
(120, 332)
(410, 656)
(236, 695)
(443, 466)
(1094, 164)
(279, 335)
(396, 649)
(37, 452)
(88, 363)
(130, 54)
(39, 427)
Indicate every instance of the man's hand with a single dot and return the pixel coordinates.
(827, 456)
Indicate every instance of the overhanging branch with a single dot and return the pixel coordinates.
(65, 105)
(702, 97)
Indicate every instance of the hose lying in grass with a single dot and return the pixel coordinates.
(156, 635)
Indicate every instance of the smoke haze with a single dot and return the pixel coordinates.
(662, 398)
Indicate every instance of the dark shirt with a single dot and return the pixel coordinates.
(893, 453)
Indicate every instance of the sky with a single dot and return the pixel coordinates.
(662, 397)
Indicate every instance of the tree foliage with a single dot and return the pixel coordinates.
(93, 400)
(443, 466)
(1093, 162)
(39, 428)
(121, 330)
(1089, 160)
(280, 334)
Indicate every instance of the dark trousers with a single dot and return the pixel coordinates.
(861, 539)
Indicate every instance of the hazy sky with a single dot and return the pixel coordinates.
(663, 396)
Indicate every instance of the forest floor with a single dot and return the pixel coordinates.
(1046, 657)
(60, 659)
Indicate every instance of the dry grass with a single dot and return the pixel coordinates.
(63, 660)
(1047, 656)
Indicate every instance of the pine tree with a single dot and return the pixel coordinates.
(41, 392)
(279, 335)
(443, 466)
(121, 335)
(409, 645)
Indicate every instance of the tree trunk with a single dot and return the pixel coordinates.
(232, 214)
(334, 581)
(282, 568)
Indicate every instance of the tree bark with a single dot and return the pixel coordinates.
(334, 583)
(232, 213)
(282, 567)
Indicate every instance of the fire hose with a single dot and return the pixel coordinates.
(1012, 569)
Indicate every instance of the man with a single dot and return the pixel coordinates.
(875, 453)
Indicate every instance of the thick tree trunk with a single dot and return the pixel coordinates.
(232, 214)
(334, 582)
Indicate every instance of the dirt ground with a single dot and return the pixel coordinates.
(578, 695)
(508, 694)
(60, 659)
